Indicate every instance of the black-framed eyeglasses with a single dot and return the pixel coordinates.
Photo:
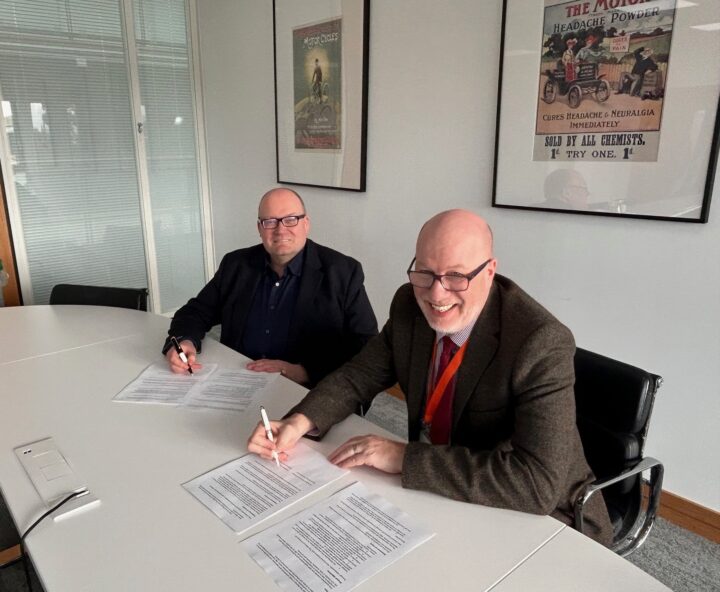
(270, 223)
(453, 282)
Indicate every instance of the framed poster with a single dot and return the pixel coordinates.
(609, 107)
(321, 71)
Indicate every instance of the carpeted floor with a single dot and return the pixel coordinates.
(683, 561)
(12, 579)
(680, 559)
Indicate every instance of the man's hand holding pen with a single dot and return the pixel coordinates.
(286, 433)
(177, 365)
(373, 451)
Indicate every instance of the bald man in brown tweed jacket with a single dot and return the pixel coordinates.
(512, 441)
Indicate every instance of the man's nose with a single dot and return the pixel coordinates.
(437, 291)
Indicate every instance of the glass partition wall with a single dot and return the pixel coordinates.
(99, 147)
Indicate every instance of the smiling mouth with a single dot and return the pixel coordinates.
(437, 308)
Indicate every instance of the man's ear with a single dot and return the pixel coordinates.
(492, 267)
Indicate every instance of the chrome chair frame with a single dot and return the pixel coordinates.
(636, 535)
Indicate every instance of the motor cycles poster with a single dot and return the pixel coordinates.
(317, 75)
(603, 71)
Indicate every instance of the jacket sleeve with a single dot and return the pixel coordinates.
(360, 322)
(201, 313)
(356, 383)
(528, 471)
(359, 325)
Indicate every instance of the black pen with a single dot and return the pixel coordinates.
(181, 353)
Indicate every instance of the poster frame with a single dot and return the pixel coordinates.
(507, 150)
(343, 168)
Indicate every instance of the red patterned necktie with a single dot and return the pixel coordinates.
(442, 420)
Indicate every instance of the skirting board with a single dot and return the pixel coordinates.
(396, 392)
(691, 516)
(7, 556)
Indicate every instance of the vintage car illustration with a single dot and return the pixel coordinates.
(586, 82)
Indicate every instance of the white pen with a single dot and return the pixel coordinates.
(268, 432)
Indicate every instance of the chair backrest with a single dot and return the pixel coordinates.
(135, 298)
(614, 402)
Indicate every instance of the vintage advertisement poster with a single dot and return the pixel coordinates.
(603, 73)
(317, 76)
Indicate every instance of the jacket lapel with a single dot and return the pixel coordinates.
(482, 345)
(420, 354)
(312, 275)
(246, 284)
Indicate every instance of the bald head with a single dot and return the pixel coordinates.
(448, 229)
(454, 243)
(284, 196)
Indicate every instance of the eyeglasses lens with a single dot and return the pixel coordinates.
(270, 223)
(420, 279)
(454, 283)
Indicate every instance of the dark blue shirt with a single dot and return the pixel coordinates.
(268, 324)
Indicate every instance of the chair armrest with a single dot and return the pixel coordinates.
(639, 534)
(645, 464)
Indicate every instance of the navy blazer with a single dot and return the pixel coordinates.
(332, 321)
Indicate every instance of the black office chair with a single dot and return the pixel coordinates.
(614, 402)
(135, 298)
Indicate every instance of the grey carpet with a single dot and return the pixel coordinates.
(12, 579)
(680, 559)
(390, 413)
(683, 561)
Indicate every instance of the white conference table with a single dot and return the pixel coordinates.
(567, 562)
(61, 366)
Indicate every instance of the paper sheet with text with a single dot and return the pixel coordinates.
(209, 387)
(338, 543)
(250, 489)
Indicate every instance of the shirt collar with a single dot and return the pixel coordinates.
(459, 337)
(294, 266)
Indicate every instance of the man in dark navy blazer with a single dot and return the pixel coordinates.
(293, 306)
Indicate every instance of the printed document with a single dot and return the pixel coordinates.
(336, 544)
(209, 387)
(249, 489)
(229, 388)
(158, 384)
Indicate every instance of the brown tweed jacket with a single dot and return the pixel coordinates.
(514, 442)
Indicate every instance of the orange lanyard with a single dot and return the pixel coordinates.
(447, 375)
